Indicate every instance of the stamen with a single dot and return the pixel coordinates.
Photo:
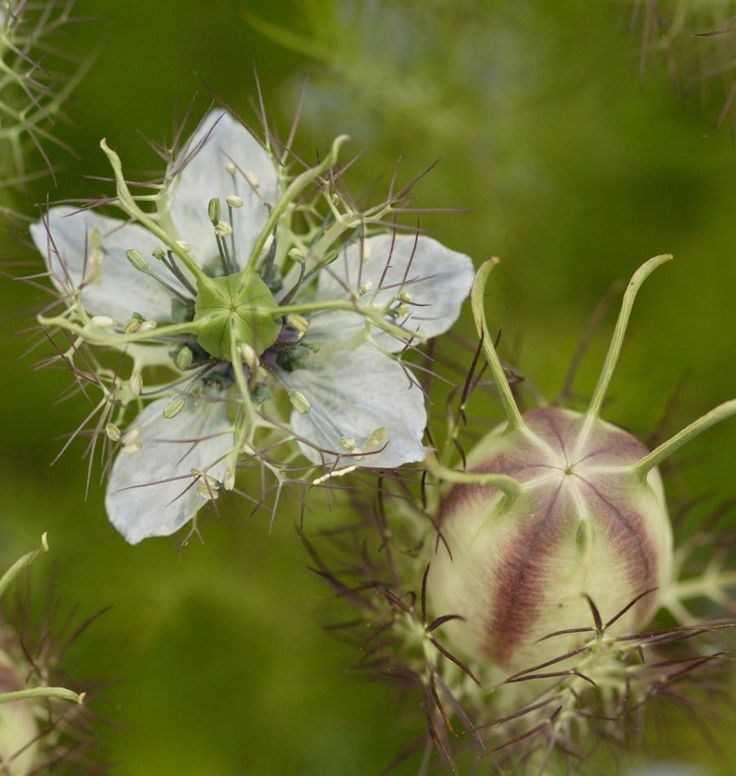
(233, 202)
(138, 262)
(223, 230)
(172, 266)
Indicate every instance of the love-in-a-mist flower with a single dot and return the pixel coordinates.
(244, 282)
(517, 593)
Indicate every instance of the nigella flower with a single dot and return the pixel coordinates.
(243, 292)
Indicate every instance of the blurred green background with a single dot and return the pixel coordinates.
(577, 166)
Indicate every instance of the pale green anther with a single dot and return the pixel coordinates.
(95, 238)
(184, 245)
(113, 432)
(230, 168)
(376, 440)
(405, 297)
(234, 201)
(297, 254)
(208, 487)
(235, 308)
(248, 356)
(135, 384)
(158, 253)
(174, 407)
(136, 259)
(348, 444)
(131, 437)
(213, 210)
(365, 288)
(299, 401)
(223, 229)
(94, 269)
(299, 323)
(184, 358)
(252, 179)
(403, 310)
(102, 321)
(133, 324)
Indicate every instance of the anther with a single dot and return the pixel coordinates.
(135, 384)
(102, 321)
(213, 210)
(113, 432)
(299, 401)
(174, 407)
(137, 260)
(131, 437)
(223, 229)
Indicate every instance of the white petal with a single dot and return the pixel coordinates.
(111, 286)
(352, 395)
(221, 140)
(152, 492)
(437, 279)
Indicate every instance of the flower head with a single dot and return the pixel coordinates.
(247, 282)
(518, 591)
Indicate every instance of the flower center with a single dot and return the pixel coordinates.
(235, 310)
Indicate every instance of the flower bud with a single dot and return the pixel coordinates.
(584, 523)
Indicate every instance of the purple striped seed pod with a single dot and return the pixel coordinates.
(557, 524)
(586, 521)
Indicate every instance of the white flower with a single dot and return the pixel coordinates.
(348, 387)
(86, 250)
(176, 465)
(207, 275)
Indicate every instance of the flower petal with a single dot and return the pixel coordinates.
(357, 397)
(153, 492)
(219, 142)
(436, 279)
(110, 285)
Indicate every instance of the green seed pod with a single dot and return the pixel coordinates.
(235, 310)
(584, 522)
(558, 515)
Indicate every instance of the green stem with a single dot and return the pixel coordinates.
(8, 577)
(513, 416)
(510, 487)
(665, 450)
(42, 692)
(189, 327)
(614, 349)
(128, 205)
(371, 313)
(295, 188)
(248, 424)
(710, 585)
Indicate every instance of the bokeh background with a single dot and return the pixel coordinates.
(581, 144)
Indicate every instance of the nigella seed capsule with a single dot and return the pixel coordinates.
(558, 526)
(584, 523)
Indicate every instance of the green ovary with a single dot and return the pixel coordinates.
(235, 310)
